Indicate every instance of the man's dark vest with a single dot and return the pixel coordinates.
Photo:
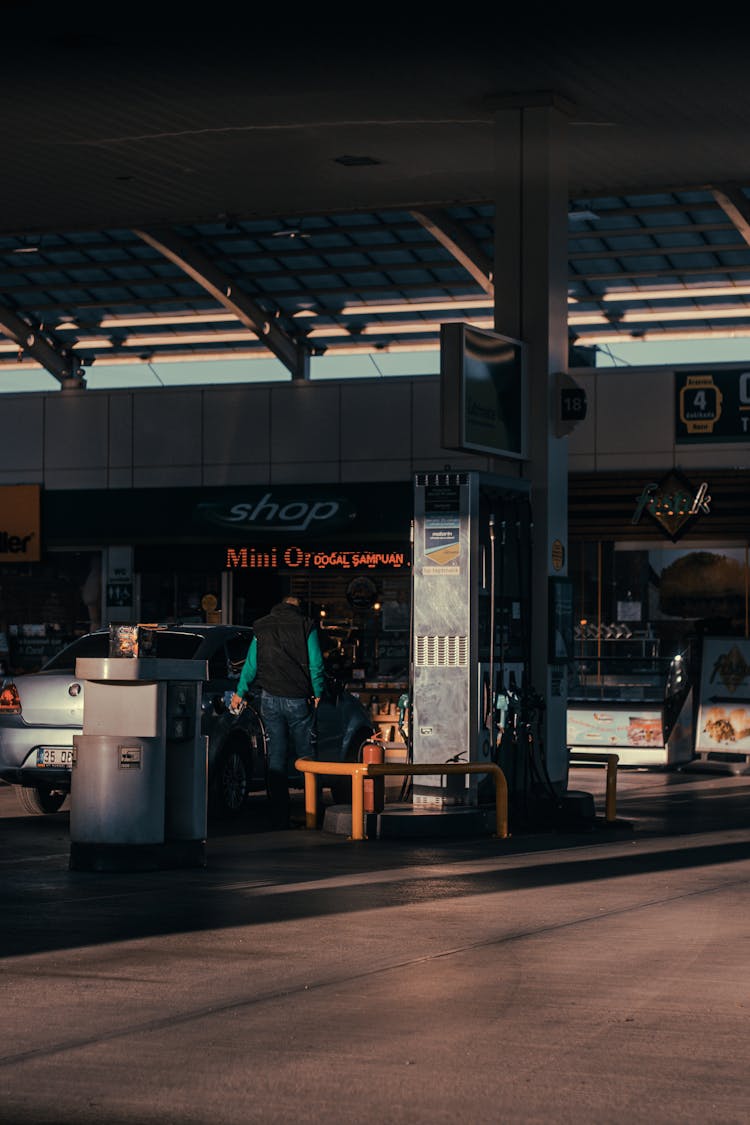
(283, 662)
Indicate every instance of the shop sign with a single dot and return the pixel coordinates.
(19, 523)
(270, 512)
(673, 503)
(305, 558)
(712, 406)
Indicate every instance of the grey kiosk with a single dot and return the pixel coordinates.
(139, 777)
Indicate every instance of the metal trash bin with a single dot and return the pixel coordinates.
(139, 777)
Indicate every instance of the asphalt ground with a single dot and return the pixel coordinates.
(591, 976)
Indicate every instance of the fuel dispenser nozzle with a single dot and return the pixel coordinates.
(403, 710)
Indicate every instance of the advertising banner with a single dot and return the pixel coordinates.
(610, 728)
(724, 715)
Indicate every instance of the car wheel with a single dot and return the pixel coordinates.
(39, 802)
(341, 787)
(229, 784)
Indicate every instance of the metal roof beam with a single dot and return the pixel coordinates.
(192, 262)
(59, 361)
(460, 244)
(736, 206)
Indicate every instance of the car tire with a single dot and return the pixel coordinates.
(341, 787)
(229, 783)
(39, 802)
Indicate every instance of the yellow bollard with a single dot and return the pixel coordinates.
(359, 771)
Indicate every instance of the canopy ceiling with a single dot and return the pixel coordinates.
(258, 187)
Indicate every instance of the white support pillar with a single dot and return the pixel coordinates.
(530, 277)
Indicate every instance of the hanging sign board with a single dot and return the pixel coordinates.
(482, 391)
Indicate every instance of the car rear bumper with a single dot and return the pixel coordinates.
(22, 749)
(47, 778)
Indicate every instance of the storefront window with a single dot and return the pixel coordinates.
(45, 605)
(187, 597)
(639, 604)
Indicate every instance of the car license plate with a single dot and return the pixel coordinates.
(55, 756)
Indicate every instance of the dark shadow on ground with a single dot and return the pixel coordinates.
(47, 907)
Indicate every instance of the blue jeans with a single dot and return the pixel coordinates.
(288, 724)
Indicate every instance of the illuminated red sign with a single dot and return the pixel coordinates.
(248, 558)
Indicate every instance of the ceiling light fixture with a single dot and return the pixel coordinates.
(290, 232)
(581, 212)
(350, 161)
(26, 248)
(418, 306)
(672, 294)
(656, 315)
(655, 335)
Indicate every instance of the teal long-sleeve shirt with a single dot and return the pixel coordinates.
(314, 656)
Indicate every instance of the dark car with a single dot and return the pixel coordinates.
(40, 712)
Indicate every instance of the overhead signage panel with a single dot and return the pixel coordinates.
(712, 406)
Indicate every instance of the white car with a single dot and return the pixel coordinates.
(40, 712)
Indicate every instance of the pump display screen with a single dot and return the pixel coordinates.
(482, 385)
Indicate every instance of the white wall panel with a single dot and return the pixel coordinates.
(425, 422)
(120, 433)
(297, 472)
(236, 473)
(236, 430)
(634, 462)
(581, 462)
(305, 426)
(634, 414)
(729, 456)
(75, 478)
(375, 421)
(76, 433)
(326, 432)
(121, 478)
(21, 447)
(167, 430)
(631, 424)
(379, 468)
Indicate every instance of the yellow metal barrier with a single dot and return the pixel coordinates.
(583, 757)
(358, 771)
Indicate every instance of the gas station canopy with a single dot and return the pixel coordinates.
(263, 190)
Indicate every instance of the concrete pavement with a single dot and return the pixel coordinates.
(593, 977)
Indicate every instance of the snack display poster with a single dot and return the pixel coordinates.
(724, 712)
(608, 728)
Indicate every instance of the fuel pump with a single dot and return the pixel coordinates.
(520, 749)
(467, 625)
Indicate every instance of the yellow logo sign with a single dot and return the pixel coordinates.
(19, 523)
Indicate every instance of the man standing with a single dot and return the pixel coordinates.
(285, 658)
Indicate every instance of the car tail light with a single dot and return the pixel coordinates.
(10, 700)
